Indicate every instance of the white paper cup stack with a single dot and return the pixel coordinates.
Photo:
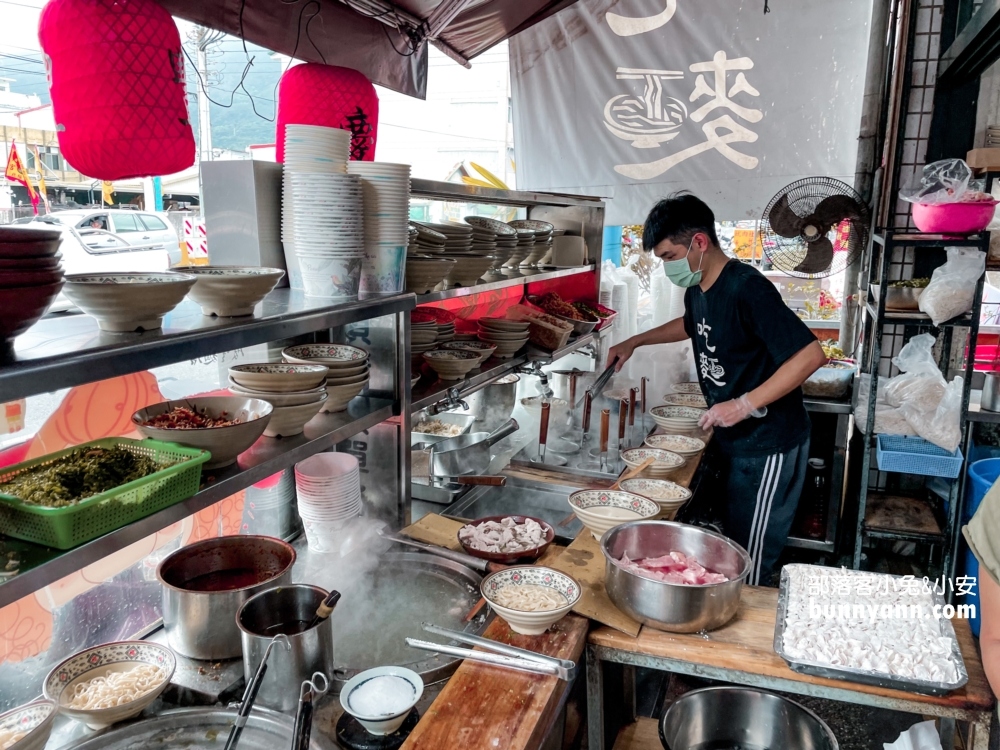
(386, 223)
(322, 226)
(329, 497)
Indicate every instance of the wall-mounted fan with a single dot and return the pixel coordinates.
(814, 227)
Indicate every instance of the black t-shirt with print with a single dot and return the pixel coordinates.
(742, 333)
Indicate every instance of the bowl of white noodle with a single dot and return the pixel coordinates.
(106, 684)
(27, 727)
(530, 599)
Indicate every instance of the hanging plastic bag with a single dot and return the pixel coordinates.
(953, 286)
(888, 419)
(945, 181)
(921, 382)
(941, 425)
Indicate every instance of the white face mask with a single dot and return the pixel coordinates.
(679, 271)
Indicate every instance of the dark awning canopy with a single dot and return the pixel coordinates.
(387, 41)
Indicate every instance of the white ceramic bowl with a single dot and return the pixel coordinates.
(382, 724)
(295, 398)
(668, 494)
(287, 421)
(361, 377)
(502, 324)
(684, 418)
(276, 377)
(600, 510)
(231, 291)
(225, 443)
(695, 400)
(687, 387)
(34, 720)
(124, 302)
(99, 661)
(530, 623)
(682, 445)
(331, 355)
(664, 463)
(339, 396)
(450, 364)
(483, 348)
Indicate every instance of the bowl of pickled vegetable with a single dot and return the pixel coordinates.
(224, 425)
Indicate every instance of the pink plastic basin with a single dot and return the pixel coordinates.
(953, 218)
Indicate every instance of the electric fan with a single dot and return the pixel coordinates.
(814, 227)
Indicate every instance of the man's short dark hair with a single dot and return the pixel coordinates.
(678, 218)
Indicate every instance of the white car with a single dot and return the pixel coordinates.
(132, 227)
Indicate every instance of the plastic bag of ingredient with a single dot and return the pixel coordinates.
(945, 181)
(941, 424)
(921, 382)
(953, 286)
(922, 736)
(889, 420)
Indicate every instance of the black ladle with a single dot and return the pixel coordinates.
(324, 610)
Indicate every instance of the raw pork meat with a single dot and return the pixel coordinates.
(507, 535)
(674, 567)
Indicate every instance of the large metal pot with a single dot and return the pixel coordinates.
(742, 717)
(467, 454)
(266, 615)
(201, 623)
(559, 382)
(493, 404)
(667, 606)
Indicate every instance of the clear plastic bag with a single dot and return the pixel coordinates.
(921, 381)
(944, 181)
(888, 420)
(940, 425)
(953, 285)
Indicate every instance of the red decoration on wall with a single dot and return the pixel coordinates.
(116, 76)
(315, 94)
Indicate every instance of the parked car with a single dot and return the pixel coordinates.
(134, 227)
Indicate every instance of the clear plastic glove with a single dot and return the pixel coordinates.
(729, 413)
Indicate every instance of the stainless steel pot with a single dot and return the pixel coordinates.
(667, 606)
(742, 717)
(261, 618)
(200, 623)
(493, 404)
(559, 382)
(467, 454)
(991, 392)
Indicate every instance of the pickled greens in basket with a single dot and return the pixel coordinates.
(81, 474)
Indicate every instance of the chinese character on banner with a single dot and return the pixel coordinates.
(626, 26)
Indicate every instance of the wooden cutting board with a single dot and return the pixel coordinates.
(584, 561)
(437, 530)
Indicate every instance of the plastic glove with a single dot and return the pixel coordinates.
(729, 413)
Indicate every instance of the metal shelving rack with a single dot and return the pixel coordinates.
(881, 258)
(66, 351)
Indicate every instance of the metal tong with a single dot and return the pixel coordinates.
(602, 381)
(308, 693)
(504, 656)
(250, 694)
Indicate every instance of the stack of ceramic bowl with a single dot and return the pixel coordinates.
(523, 243)
(683, 445)
(348, 370)
(423, 333)
(484, 244)
(676, 419)
(387, 219)
(322, 212)
(328, 486)
(541, 241)
(669, 495)
(445, 322)
(696, 400)
(297, 392)
(425, 273)
(124, 302)
(458, 236)
(452, 364)
(482, 348)
(30, 277)
(600, 510)
(664, 462)
(508, 336)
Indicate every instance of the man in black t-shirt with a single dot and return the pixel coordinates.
(752, 354)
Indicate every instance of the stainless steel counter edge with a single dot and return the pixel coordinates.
(268, 456)
(513, 281)
(64, 351)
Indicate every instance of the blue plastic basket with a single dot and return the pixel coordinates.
(913, 455)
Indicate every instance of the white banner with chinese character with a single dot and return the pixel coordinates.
(635, 99)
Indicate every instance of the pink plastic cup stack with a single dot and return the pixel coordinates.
(329, 497)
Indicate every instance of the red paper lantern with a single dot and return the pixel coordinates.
(315, 94)
(116, 75)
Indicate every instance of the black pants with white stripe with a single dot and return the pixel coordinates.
(762, 496)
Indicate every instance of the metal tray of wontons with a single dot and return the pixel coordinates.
(865, 676)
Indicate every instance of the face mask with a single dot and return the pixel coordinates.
(679, 271)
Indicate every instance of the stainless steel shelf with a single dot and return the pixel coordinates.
(453, 191)
(41, 566)
(512, 281)
(430, 390)
(917, 239)
(827, 406)
(816, 545)
(544, 355)
(915, 318)
(977, 414)
(68, 350)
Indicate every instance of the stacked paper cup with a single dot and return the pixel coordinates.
(321, 218)
(329, 492)
(386, 222)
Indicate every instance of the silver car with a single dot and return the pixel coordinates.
(143, 228)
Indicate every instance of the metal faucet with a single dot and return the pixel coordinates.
(449, 402)
(535, 368)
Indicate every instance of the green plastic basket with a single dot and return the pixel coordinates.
(64, 528)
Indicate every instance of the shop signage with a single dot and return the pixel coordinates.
(634, 99)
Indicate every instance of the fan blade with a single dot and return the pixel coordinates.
(784, 221)
(833, 210)
(818, 258)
